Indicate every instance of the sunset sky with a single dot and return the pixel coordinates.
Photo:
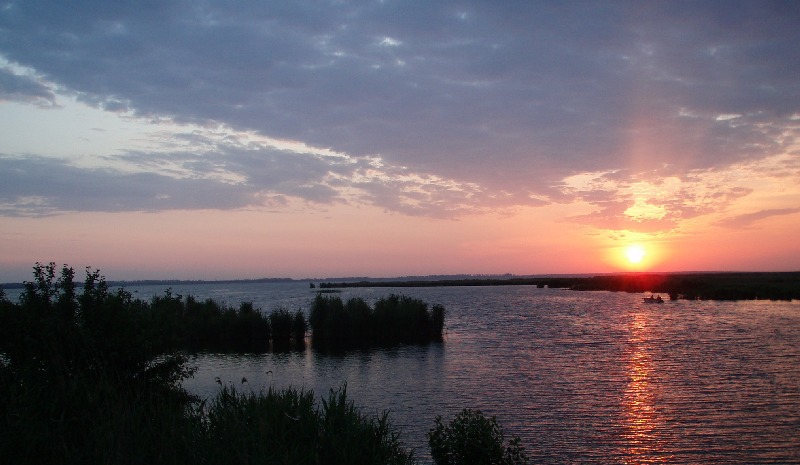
(214, 140)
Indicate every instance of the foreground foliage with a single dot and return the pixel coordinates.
(471, 438)
(88, 378)
(95, 378)
(290, 427)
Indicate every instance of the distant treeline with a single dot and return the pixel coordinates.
(705, 286)
(175, 282)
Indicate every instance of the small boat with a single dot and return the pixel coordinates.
(653, 300)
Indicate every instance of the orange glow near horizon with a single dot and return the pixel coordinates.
(243, 244)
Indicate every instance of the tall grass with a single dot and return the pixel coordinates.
(393, 320)
(290, 427)
(299, 328)
(288, 330)
(118, 421)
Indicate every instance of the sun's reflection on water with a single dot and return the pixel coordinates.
(642, 425)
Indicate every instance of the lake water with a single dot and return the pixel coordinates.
(581, 377)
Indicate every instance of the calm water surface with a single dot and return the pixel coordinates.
(581, 377)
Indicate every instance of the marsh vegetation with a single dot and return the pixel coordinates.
(95, 377)
(392, 320)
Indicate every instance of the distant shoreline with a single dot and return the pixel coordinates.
(174, 282)
(691, 286)
(783, 285)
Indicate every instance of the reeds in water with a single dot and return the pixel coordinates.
(208, 325)
(288, 328)
(393, 320)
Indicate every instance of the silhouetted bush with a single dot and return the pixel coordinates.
(53, 333)
(472, 439)
(87, 379)
(393, 320)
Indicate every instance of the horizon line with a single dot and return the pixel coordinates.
(431, 277)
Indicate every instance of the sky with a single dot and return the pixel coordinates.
(207, 139)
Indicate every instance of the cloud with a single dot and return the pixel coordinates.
(217, 168)
(747, 220)
(654, 203)
(25, 89)
(502, 101)
(40, 187)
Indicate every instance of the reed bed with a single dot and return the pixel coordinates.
(288, 330)
(210, 326)
(96, 378)
(393, 320)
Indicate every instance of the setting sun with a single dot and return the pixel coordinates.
(635, 253)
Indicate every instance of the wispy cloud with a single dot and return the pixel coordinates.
(748, 220)
(218, 168)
